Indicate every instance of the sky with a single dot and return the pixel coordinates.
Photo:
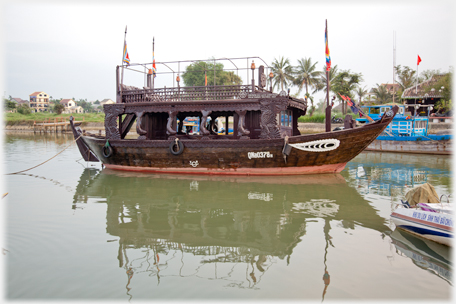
(71, 50)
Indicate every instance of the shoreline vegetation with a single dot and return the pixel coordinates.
(11, 119)
(95, 122)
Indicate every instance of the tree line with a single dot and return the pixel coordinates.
(54, 105)
(307, 77)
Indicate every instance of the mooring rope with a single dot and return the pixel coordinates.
(46, 160)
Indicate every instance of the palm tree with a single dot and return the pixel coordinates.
(361, 92)
(305, 74)
(312, 107)
(381, 94)
(283, 72)
(321, 85)
(405, 77)
(344, 83)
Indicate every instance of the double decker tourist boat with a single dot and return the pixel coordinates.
(260, 136)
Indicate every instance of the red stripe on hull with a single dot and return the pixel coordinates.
(422, 222)
(336, 168)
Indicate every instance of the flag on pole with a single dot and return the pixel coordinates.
(205, 79)
(154, 67)
(328, 58)
(419, 60)
(126, 58)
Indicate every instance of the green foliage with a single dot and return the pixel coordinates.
(17, 118)
(9, 104)
(305, 74)
(446, 82)
(316, 118)
(87, 106)
(443, 106)
(343, 84)
(58, 108)
(24, 109)
(427, 74)
(194, 75)
(382, 95)
(283, 73)
(405, 76)
(320, 117)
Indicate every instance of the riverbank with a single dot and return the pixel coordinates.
(304, 128)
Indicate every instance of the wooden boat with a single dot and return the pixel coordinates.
(406, 133)
(265, 139)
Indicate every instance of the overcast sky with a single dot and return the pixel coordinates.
(71, 50)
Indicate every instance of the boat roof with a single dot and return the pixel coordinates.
(178, 67)
(253, 90)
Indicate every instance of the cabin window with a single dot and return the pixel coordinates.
(420, 124)
(401, 110)
(286, 118)
(385, 109)
(374, 111)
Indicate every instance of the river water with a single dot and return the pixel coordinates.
(73, 231)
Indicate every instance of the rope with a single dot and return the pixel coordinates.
(46, 160)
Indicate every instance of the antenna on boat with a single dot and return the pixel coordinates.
(394, 63)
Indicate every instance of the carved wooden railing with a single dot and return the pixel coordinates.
(130, 94)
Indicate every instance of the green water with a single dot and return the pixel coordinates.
(76, 232)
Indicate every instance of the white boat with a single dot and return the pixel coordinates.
(430, 221)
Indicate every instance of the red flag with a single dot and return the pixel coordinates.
(419, 60)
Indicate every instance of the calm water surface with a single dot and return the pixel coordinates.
(76, 232)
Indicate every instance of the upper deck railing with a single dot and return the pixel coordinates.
(212, 91)
(222, 92)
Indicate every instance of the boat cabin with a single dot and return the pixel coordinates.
(250, 111)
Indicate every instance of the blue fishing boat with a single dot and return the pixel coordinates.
(406, 133)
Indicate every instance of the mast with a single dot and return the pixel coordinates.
(123, 58)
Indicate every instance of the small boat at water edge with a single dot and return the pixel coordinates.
(407, 133)
(433, 221)
(265, 139)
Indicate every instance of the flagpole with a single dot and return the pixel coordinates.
(153, 59)
(123, 51)
(416, 84)
(328, 108)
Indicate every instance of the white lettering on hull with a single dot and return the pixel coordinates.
(260, 155)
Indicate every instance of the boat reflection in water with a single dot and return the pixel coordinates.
(241, 225)
(426, 254)
(393, 174)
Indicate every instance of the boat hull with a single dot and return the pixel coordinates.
(434, 226)
(438, 145)
(308, 154)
